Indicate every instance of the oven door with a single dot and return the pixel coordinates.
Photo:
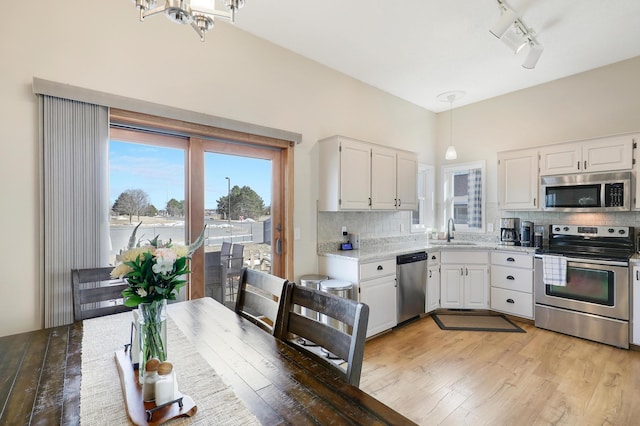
(596, 287)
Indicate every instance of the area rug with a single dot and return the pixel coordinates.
(475, 322)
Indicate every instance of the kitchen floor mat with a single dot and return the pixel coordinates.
(475, 322)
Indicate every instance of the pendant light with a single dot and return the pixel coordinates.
(450, 97)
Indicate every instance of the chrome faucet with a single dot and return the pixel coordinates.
(450, 228)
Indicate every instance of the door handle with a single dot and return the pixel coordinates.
(510, 301)
(379, 268)
(278, 246)
(510, 277)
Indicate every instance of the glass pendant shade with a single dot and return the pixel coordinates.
(451, 153)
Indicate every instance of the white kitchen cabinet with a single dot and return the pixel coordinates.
(635, 306)
(356, 175)
(407, 180)
(512, 283)
(374, 284)
(464, 279)
(597, 155)
(433, 282)
(518, 180)
(383, 178)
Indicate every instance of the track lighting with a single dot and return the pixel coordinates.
(518, 37)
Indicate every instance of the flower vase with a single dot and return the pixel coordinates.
(152, 332)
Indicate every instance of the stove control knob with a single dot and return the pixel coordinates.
(621, 232)
(565, 229)
(611, 230)
(557, 229)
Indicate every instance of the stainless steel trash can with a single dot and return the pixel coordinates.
(312, 281)
(339, 288)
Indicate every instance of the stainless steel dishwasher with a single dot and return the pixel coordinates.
(411, 272)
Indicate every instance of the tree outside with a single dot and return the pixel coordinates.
(132, 202)
(245, 204)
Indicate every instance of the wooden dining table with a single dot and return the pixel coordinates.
(41, 374)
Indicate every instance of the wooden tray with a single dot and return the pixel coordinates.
(136, 407)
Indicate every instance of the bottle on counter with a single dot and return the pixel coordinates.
(149, 379)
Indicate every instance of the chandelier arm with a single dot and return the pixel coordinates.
(212, 13)
(151, 12)
(199, 30)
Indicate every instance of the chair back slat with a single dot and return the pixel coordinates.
(348, 347)
(259, 298)
(96, 294)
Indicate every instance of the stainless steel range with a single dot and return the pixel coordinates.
(591, 298)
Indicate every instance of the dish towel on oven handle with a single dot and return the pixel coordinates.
(554, 270)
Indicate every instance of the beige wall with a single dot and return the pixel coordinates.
(100, 45)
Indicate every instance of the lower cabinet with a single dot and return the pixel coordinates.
(374, 284)
(464, 279)
(379, 294)
(512, 283)
(635, 306)
(433, 282)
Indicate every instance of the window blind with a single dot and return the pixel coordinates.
(75, 198)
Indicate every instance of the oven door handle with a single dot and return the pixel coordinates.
(592, 261)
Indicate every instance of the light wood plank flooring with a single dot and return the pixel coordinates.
(438, 377)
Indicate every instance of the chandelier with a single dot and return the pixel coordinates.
(198, 13)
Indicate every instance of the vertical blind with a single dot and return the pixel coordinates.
(75, 199)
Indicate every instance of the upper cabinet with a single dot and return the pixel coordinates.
(356, 175)
(597, 155)
(518, 179)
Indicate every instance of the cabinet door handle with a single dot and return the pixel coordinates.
(585, 164)
(467, 271)
(369, 201)
(461, 271)
(395, 202)
(534, 202)
(430, 274)
(399, 202)
(578, 165)
(510, 301)
(638, 275)
(510, 259)
(379, 268)
(510, 277)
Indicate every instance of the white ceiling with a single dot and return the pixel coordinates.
(417, 49)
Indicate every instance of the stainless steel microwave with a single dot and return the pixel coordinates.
(588, 192)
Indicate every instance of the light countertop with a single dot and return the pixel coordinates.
(383, 251)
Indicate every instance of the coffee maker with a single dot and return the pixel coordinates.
(526, 234)
(510, 231)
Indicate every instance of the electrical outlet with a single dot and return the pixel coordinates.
(344, 230)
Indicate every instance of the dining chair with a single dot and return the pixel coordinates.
(259, 298)
(215, 275)
(225, 252)
(235, 266)
(348, 347)
(96, 294)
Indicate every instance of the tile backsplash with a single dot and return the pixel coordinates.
(395, 226)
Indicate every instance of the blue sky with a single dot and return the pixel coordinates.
(159, 171)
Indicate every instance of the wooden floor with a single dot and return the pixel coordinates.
(438, 377)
